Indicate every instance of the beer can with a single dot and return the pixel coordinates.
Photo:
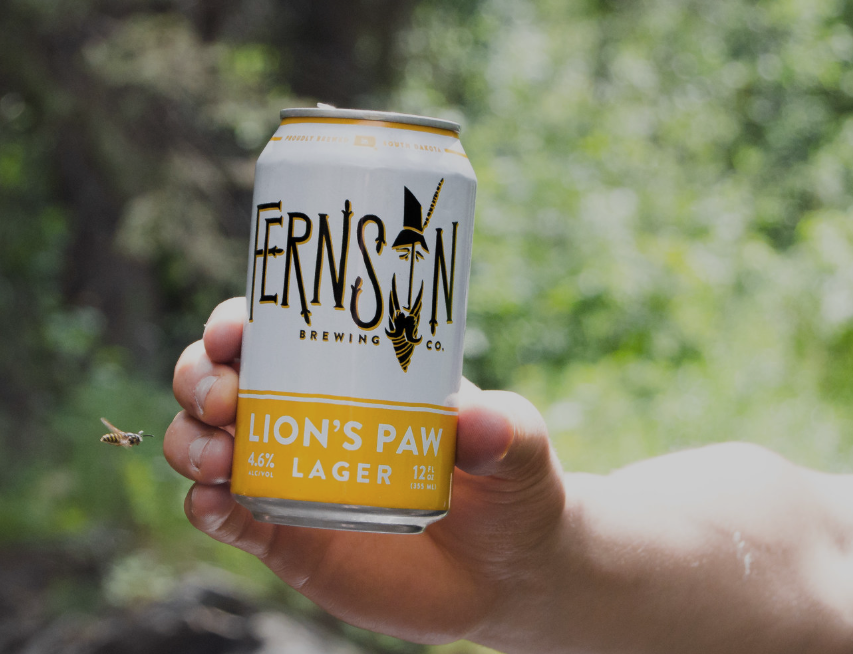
(357, 286)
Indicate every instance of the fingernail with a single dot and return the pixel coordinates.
(191, 498)
(195, 451)
(201, 391)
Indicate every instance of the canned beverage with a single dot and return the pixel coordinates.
(352, 353)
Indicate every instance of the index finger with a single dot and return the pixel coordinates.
(223, 332)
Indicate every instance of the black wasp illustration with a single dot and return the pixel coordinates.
(403, 321)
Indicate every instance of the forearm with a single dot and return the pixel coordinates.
(724, 549)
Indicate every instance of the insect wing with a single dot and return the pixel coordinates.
(111, 427)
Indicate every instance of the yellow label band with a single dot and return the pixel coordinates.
(343, 451)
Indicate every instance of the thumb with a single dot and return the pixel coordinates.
(502, 435)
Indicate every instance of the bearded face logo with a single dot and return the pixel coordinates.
(403, 321)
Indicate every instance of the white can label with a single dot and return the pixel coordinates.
(357, 286)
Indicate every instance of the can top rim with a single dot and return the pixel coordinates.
(366, 114)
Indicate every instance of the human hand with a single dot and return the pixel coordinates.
(466, 574)
(727, 548)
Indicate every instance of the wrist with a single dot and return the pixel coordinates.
(532, 607)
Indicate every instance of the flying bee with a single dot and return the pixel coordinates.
(119, 437)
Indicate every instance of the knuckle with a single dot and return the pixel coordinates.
(234, 530)
(267, 550)
(171, 439)
(188, 356)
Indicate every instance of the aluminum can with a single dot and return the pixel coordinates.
(359, 259)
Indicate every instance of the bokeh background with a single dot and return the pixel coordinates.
(663, 255)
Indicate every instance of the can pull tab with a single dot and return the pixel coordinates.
(323, 105)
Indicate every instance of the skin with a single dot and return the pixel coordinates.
(728, 548)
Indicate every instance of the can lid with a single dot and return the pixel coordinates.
(327, 111)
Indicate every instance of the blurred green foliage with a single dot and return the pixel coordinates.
(663, 246)
(663, 252)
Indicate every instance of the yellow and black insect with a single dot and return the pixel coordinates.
(123, 438)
